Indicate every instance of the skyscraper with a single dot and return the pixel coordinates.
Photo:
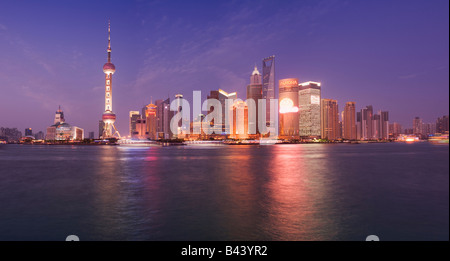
(395, 129)
(134, 116)
(222, 97)
(366, 125)
(289, 112)
(384, 125)
(417, 126)
(268, 85)
(108, 116)
(254, 91)
(330, 119)
(349, 121)
(149, 114)
(442, 124)
(376, 124)
(163, 117)
(309, 96)
(240, 120)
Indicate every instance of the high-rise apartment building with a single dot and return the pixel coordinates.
(349, 121)
(330, 119)
(417, 126)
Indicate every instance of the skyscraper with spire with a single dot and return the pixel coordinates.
(254, 91)
(108, 116)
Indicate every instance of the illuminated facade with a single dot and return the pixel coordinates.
(61, 130)
(349, 121)
(268, 85)
(417, 126)
(141, 130)
(240, 120)
(108, 117)
(309, 97)
(330, 119)
(221, 96)
(254, 91)
(149, 114)
(288, 105)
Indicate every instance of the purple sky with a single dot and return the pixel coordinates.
(392, 54)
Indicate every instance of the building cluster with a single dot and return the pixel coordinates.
(302, 115)
(421, 129)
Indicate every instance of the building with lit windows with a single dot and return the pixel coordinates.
(288, 106)
(254, 92)
(62, 131)
(309, 97)
(329, 119)
(349, 121)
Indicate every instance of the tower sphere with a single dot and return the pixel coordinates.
(109, 68)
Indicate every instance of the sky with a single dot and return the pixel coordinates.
(393, 55)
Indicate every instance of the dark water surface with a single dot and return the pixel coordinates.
(283, 192)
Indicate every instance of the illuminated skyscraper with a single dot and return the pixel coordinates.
(163, 117)
(108, 116)
(240, 120)
(268, 85)
(330, 119)
(254, 91)
(349, 121)
(222, 96)
(134, 116)
(309, 97)
(288, 99)
(149, 114)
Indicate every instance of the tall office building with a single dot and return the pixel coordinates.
(149, 114)
(222, 96)
(309, 98)
(254, 91)
(268, 85)
(288, 106)
(134, 116)
(376, 123)
(330, 119)
(417, 126)
(28, 132)
(395, 129)
(240, 120)
(384, 125)
(163, 117)
(365, 124)
(349, 121)
(442, 124)
(108, 117)
(140, 130)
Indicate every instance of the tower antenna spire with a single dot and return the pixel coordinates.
(109, 41)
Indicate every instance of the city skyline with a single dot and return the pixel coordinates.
(159, 73)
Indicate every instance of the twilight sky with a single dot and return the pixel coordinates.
(392, 54)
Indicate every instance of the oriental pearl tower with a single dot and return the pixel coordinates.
(108, 116)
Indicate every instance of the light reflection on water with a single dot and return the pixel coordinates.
(281, 192)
